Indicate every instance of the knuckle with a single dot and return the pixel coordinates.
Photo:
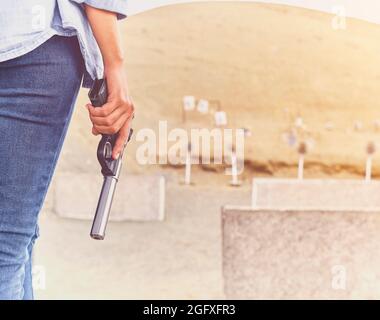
(113, 129)
(97, 122)
(127, 104)
(101, 112)
(108, 122)
(107, 111)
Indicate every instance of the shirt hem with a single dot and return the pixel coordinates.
(26, 48)
(41, 39)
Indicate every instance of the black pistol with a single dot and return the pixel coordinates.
(110, 168)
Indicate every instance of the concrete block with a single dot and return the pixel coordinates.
(315, 194)
(301, 254)
(137, 197)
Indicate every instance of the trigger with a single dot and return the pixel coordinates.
(107, 151)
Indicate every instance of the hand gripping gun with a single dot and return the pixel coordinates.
(110, 168)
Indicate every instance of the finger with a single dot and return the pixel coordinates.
(93, 129)
(115, 127)
(108, 121)
(104, 110)
(120, 141)
(95, 132)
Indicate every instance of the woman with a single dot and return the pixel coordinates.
(46, 47)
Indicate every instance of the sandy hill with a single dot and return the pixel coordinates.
(268, 65)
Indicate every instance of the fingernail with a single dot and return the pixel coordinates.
(117, 156)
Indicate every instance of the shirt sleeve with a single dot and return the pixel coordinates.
(117, 6)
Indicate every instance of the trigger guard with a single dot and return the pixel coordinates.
(104, 155)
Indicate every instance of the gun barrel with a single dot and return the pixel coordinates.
(103, 209)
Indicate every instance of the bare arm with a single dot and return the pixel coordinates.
(116, 114)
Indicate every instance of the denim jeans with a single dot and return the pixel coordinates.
(37, 94)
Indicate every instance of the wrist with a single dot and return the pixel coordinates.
(113, 63)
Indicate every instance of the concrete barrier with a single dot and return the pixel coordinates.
(301, 254)
(137, 197)
(315, 194)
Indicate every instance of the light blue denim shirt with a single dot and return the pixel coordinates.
(26, 24)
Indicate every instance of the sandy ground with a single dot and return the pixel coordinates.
(179, 258)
